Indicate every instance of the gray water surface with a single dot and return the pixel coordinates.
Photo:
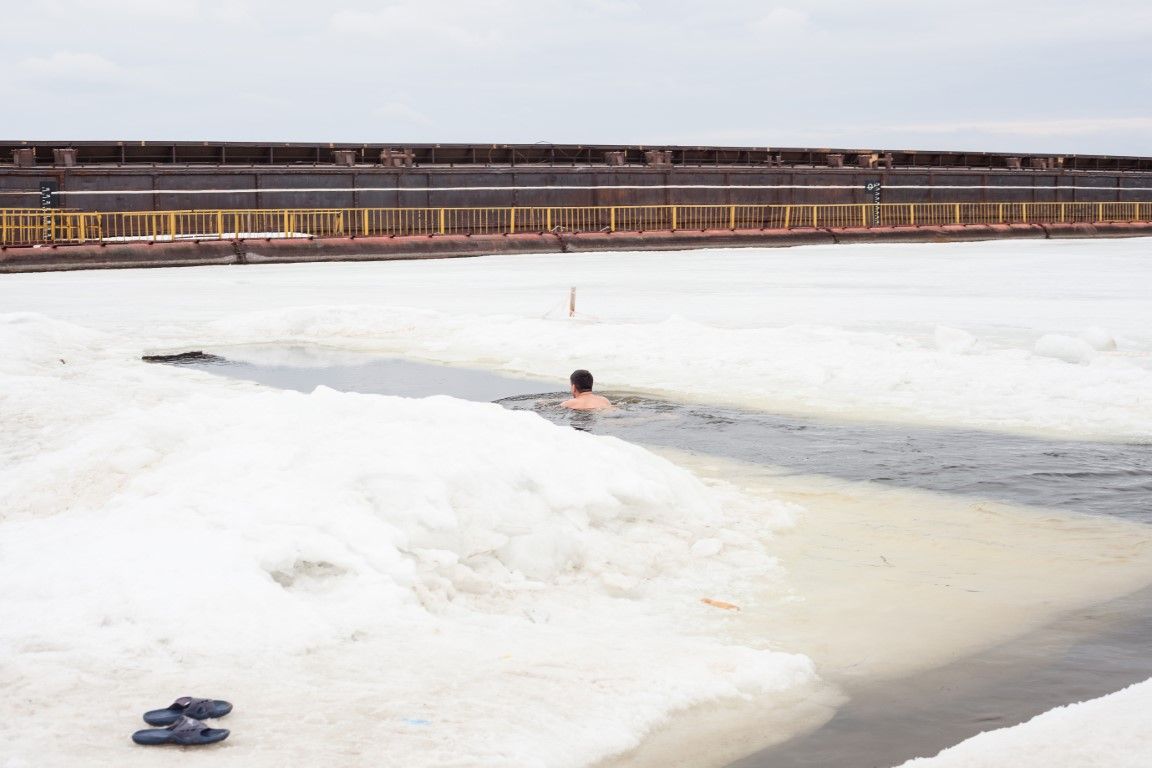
(1083, 656)
(1093, 477)
(371, 375)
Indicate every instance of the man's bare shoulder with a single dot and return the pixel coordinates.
(587, 402)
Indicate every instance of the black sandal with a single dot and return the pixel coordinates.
(184, 732)
(186, 706)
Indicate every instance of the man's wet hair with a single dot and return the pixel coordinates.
(582, 380)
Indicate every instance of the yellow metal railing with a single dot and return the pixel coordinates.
(33, 226)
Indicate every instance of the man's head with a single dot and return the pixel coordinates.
(581, 381)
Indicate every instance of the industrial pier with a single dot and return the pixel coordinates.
(67, 205)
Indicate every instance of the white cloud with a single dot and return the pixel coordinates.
(780, 20)
(167, 9)
(615, 7)
(762, 72)
(118, 10)
(72, 65)
(427, 24)
(1051, 127)
(399, 113)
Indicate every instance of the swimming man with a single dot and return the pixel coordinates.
(582, 397)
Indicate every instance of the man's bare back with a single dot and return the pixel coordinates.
(582, 397)
(586, 401)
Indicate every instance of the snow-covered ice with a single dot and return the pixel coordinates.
(469, 560)
(1070, 349)
(1109, 732)
(451, 583)
(957, 334)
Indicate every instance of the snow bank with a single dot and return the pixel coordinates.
(156, 523)
(1109, 732)
(954, 340)
(1099, 339)
(936, 333)
(1066, 348)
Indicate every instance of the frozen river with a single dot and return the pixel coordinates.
(426, 570)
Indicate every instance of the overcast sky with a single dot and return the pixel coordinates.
(1001, 75)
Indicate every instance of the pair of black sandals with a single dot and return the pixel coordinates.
(183, 722)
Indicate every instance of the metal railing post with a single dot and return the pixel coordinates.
(511, 221)
(612, 219)
(957, 213)
(443, 227)
(1100, 212)
(732, 218)
(787, 217)
(673, 218)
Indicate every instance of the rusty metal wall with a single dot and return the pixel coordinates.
(205, 153)
(143, 187)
